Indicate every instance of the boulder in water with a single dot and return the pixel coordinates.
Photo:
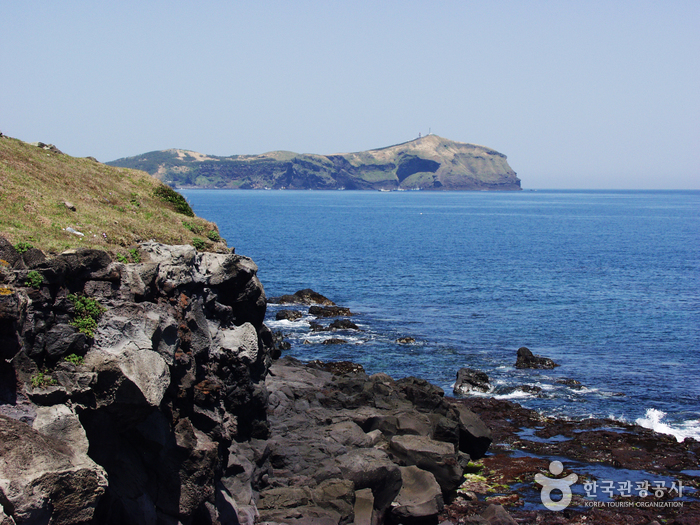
(526, 359)
(470, 380)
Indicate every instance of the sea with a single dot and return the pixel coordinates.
(605, 283)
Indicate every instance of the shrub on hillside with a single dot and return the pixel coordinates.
(168, 194)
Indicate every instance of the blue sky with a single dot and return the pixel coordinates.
(577, 94)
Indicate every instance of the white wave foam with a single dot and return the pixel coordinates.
(287, 324)
(586, 390)
(518, 394)
(320, 337)
(653, 420)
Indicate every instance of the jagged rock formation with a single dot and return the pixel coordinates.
(143, 415)
(429, 163)
(470, 380)
(169, 409)
(526, 359)
(331, 423)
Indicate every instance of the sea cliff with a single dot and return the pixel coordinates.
(426, 163)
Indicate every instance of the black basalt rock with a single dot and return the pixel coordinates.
(288, 315)
(470, 380)
(526, 359)
(305, 296)
(343, 324)
(330, 311)
(8, 254)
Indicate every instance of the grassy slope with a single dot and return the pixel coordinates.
(115, 207)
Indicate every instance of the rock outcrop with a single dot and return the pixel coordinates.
(403, 440)
(134, 419)
(526, 359)
(429, 163)
(146, 393)
(470, 380)
(305, 296)
(288, 315)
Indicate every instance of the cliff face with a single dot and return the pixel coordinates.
(428, 163)
(131, 419)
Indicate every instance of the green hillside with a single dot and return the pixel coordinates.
(44, 192)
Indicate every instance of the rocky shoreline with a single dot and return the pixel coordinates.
(177, 407)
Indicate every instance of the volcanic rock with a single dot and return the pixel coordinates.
(343, 324)
(474, 436)
(530, 389)
(571, 383)
(437, 457)
(288, 315)
(173, 375)
(341, 424)
(497, 515)
(470, 380)
(420, 495)
(329, 311)
(42, 478)
(8, 254)
(183, 415)
(526, 359)
(305, 296)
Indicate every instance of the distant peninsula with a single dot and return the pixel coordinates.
(425, 163)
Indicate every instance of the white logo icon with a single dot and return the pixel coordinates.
(550, 484)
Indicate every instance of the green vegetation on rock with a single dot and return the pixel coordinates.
(34, 279)
(74, 359)
(42, 379)
(135, 255)
(87, 313)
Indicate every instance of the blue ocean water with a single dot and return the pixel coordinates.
(605, 283)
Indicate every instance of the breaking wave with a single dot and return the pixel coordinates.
(653, 419)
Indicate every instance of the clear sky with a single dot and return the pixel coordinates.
(577, 94)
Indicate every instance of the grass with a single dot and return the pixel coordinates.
(379, 175)
(418, 180)
(115, 207)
